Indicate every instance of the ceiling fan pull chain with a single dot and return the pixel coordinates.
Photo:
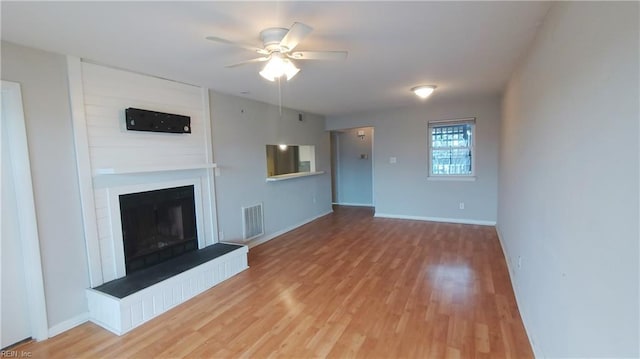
(280, 96)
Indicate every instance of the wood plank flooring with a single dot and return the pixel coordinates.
(345, 285)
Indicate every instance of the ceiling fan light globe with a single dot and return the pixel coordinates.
(273, 69)
(290, 70)
(278, 67)
(267, 75)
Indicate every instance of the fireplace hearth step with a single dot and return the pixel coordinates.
(125, 303)
(137, 281)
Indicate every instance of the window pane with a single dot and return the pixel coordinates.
(451, 149)
(451, 136)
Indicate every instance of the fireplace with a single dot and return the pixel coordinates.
(157, 226)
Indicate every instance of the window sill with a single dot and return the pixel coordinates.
(293, 175)
(452, 178)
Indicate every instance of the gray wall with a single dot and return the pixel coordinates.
(402, 188)
(354, 175)
(568, 200)
(241, 129)
(45, 95)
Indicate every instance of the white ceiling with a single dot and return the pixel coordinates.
(465, 48)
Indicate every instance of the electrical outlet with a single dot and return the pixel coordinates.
(461, 206)
(519, 262)
(216, 172)
(314, 198)
(220, 236)
(393, 160)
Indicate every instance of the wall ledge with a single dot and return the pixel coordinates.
(293, 175)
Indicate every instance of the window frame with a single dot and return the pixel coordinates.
(451, 122)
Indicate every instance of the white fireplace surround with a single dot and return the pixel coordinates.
(112, 161)
(115, 241)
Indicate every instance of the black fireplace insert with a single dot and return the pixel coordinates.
(157, 226)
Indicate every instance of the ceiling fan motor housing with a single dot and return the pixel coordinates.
(272, 37)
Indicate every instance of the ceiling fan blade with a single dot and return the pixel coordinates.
(238, 44)
(252, 61)
(296, 33)
(318, 55)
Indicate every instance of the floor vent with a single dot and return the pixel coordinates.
(252, 222)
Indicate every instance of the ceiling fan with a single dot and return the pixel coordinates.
(277, 51)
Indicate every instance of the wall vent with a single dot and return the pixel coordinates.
(252, 222)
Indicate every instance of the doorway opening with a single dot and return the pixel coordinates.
(352, 167)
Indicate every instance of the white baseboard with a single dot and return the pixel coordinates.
(437, 219)
(68, 324)
(259, 241)
(537, 352)
(353, 204)
(504, 253)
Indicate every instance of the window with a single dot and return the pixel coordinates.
(451, 148)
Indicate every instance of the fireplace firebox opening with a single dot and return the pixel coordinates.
(157, 226)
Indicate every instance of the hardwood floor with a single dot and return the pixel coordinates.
(346, 285)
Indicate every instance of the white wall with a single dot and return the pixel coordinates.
(568, 199)
(402, 189)
(108, 92)
(43, 78)
(354, 175)
(241, 129)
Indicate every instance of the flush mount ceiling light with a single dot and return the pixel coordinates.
(278, 67)
(423, 91)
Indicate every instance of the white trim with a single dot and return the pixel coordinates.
(210, 187)
(211, 208)
(337, 171)
(353, 204)
(452, 178)
(83, 163)
(454, 121)
(27, 221)
(437, 219)
(68, 324)
(141, 169)
(537, 352)
(259, 241)
(373, 167)
(292, 175)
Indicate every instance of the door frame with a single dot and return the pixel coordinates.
(335, 165)
(28, 225)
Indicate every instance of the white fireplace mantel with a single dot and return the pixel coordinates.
(154, 168)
